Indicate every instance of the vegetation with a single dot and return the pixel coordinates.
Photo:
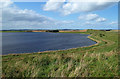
(52, 30)
(29, 30)
(99, 60)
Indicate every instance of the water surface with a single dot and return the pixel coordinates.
(29, 42)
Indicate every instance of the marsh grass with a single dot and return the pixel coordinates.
(100, 60)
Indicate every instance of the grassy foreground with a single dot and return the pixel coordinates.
(100, 60)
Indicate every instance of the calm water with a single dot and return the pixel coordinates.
(29, 42)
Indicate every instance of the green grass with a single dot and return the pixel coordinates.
(100, 60)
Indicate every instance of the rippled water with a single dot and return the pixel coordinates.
(29, 42)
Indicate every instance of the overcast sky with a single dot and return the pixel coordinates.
(99, 14)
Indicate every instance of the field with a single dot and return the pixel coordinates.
(99, 60)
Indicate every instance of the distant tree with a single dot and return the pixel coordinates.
(52, 30)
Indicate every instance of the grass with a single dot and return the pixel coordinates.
(100, 60)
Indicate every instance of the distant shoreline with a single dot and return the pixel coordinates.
(69, 30)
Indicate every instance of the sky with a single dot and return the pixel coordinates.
(59, 15)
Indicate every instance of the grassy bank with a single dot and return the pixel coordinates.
(100, 60)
